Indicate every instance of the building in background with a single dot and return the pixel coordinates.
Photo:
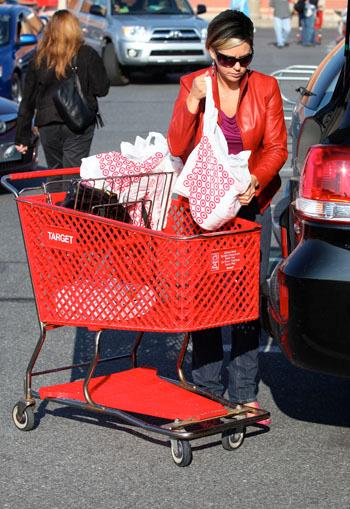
(260, 9)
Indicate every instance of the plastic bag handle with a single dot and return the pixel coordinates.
(210, 116)
(156, 136)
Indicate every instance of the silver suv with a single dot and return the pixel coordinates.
(155, 36)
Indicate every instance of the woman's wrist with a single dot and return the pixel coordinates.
(255, 182)
(192, 104)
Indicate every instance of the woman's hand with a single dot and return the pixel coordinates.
(22, 148)
(246, 197)
(198, 92)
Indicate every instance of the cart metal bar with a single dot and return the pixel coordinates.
(295, 73)
(181, 358)
(92, 368)
(81, 365)
(166, 429)
(5, 180)
(31, 364)
(139, 337)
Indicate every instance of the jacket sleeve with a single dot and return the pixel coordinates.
(274, 153)
(27, 107)
(98, 81)
(183, 125)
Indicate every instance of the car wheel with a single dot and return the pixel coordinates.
(114, 71)
(16, 87)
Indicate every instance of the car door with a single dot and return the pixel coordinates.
(96, 23)
(83, 16)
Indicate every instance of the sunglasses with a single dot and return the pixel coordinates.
(227, 61)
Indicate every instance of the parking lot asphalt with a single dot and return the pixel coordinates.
(74, 459)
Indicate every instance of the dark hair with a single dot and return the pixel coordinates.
(229, 25)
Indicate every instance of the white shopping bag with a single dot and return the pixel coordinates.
(146, 156)
(212, 178)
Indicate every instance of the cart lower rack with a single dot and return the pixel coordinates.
(102, 273)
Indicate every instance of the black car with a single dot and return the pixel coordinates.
(309, 293)
(10, 159)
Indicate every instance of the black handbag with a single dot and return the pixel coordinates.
(71, 104)
(94, 201)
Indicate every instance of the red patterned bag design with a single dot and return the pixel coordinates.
(147, 156)
(212, 178)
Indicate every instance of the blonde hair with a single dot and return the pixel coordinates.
(61, 41)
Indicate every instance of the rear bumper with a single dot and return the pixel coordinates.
(314, 331)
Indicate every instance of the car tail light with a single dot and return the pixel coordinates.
(325, 184)
(284, 296)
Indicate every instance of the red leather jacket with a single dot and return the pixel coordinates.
(260, 120)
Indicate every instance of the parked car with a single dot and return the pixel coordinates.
(11, 160)
(309, 290)
(19, 27)
(155, 36)
(315, 96)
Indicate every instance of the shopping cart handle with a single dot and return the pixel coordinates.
(57, 172)
(43, 173)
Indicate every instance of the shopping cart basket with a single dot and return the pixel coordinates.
(90, 270)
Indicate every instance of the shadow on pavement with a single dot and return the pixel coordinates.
(304, 395)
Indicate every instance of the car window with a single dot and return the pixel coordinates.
(321, 81)
(329, 92)
(151, 7)
(4, 29)
(29, 23)
(86, 5)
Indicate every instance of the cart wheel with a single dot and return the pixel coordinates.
(26, 423)
(181, 452)
(231, 439)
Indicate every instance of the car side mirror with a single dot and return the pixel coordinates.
(97, 10)
(201, 9)
(27, 39)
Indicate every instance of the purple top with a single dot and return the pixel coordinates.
(232, 133)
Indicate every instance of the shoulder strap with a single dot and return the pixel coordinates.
(74, 62)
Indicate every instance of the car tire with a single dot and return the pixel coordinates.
(114, 71)
(16, 87)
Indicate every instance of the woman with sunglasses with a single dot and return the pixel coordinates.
(251, 118)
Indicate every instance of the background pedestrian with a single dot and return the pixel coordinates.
(282, 21)
(307, 10)
(240, 5)
(62, 41)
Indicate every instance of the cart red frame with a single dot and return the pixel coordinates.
(99, 273)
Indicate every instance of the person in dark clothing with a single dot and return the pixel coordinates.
(62, 40)
(307, 11)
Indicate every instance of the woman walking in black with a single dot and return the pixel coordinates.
(61, 43)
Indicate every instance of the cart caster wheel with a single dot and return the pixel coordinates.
(232, 439)
(26, 423)
(181, 452)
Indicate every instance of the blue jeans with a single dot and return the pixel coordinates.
(308, 30)
(282, 30)
(207, 353)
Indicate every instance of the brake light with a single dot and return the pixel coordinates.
(325, 184)
(284, 295)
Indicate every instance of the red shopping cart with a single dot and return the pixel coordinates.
(89, 269)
